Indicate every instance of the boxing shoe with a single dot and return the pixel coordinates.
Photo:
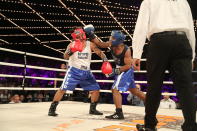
(93, 110)
(52, 109)
(115, 116)
(142, 128)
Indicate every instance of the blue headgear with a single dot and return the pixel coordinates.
(119, 37)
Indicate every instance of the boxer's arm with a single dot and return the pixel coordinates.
(67, 52)
(98, 51)
(127, 61)
(101, 44)
(89, 29)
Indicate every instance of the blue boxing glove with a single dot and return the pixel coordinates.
(89, 30)
(115, 71)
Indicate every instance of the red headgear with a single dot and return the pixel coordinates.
(78, 33)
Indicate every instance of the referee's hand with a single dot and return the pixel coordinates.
(136, 64)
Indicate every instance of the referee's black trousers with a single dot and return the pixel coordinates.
(173, 52)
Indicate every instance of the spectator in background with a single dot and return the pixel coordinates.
(60, 75)
(167, 103)
(46, 96)
(22, 98)
(40, 97)
(15, 99)
(35, 97)
(3, 96)
(134, 100)
(29, 98)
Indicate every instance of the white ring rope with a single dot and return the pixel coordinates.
(32, 54)
(60, 79)
(55, 69)
(61, 70)
(67, 92)
(32, 67)
(48, 57)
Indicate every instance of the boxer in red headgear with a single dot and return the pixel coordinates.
(123, 72)
(79, 54)
(78, 36)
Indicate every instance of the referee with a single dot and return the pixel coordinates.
(168, 24)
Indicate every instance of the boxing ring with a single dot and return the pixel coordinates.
(53, 19)
(73, 116)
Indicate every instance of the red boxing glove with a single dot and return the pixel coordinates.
(76, 46)
(106, 68)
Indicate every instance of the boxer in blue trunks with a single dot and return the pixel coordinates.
(123, 73)
(78, 73)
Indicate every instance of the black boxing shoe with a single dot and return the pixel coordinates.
(52, 109)
(116, 116)
(142, 128)
(93, 110)
(52, 113)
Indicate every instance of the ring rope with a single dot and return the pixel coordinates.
(67, 92)
(48, 57)
(60, 79)
(32, 54)
(61, 70)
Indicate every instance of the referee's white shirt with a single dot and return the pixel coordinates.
(162, 15)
